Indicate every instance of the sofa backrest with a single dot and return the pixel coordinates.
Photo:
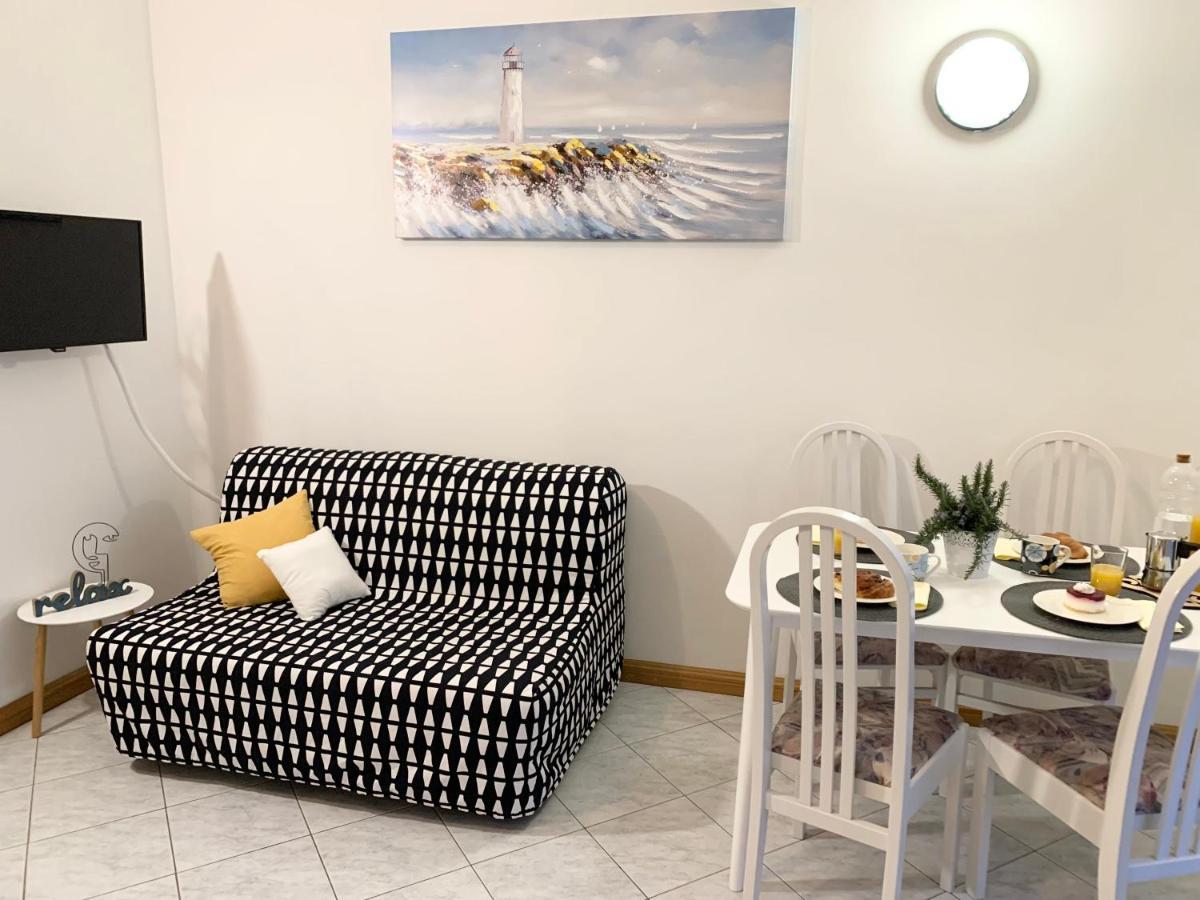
(451, 525)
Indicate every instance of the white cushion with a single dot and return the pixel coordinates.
(315, 574)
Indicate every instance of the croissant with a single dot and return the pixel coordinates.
(1078, 550)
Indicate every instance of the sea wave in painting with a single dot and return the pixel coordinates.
(669, 184)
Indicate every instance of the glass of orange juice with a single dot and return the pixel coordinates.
(1195, 536)
(1108, 570)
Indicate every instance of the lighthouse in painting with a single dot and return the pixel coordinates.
(512, 114)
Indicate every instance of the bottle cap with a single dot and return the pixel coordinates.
(1183, 458)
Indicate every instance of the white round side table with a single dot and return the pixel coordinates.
(92, 612)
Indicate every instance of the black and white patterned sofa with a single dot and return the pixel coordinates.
(490, 645)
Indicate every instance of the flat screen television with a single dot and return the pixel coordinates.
(67, 281)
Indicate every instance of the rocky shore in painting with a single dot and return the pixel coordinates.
(470, 176)
(656, 184)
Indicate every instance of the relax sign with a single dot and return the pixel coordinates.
(81, 595)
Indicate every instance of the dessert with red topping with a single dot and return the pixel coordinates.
(1084, 598)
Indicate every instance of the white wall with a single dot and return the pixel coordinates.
(950, 284)
(78, 134)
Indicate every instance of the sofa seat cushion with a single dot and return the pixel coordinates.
(1076, 746)
(932, 727)
(1087, 679)
(453, 701)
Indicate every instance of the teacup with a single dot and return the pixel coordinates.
(920, 560)
(1042, 554)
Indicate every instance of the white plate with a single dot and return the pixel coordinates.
(892, 536)
(873, 600)
(1119, 612)
(1092, 551)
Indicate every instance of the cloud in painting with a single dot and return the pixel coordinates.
(714, 68)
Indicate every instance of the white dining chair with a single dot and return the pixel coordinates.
(1064, 461)
(842, 451)
(1103, 771)
(901, 752)
(1067, 464)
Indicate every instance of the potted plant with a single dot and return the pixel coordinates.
(968, 520)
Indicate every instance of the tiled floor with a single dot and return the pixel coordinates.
(643, 812)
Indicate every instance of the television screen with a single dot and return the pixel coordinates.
(66, 281)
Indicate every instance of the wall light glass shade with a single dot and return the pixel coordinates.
(982, 82)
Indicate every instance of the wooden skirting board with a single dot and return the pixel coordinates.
(58, 691)
(724, 681)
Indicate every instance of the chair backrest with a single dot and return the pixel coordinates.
(1063, 459)
(856, 532)
(841, 446)
(1179, 834)
(488, 531)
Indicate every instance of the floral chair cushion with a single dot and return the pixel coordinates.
(882, 652)
(1087, 679)
(932, 727)
(1076, 745)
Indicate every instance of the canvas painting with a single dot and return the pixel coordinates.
(653, 128)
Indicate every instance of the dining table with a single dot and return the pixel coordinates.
(971, 615)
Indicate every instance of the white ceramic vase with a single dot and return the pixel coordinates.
(960, 553)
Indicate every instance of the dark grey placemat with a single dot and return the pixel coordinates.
(1018, 600)
(1071, 573)
(867, 555)
(789, 588)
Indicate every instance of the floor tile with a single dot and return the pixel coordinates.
(648, 713)
(1035, 876)
(572, 866)
(182, 784)
(234, 822)
(1080, 857)
(625, 688)
(732, 725)
(463, 884)
(84, 749)
(387, 852)
(326, 808)
(93, 798)
(76, 712)
(165, 888)
(718, 803)
(12, 873)
(692, 759)
(16, 764)
(711, 706)
(1019, 817)
(599, 740)
(292, 869)
(14, 816)
(481, 838)
(716, 887)
(101, 859)
(611, 784)
(666, 846)
(925, 832)
(829, 867)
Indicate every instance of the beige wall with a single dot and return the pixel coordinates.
(935, 286)
(78, 135)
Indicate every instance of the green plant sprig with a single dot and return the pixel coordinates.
(977, 508)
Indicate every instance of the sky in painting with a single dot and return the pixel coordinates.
(715, 68)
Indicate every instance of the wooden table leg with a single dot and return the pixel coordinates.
(39, 679)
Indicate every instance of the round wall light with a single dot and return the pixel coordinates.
(982, 80)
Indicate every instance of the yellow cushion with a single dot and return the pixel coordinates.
(244, 579)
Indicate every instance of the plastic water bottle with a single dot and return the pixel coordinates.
(1177, 498)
